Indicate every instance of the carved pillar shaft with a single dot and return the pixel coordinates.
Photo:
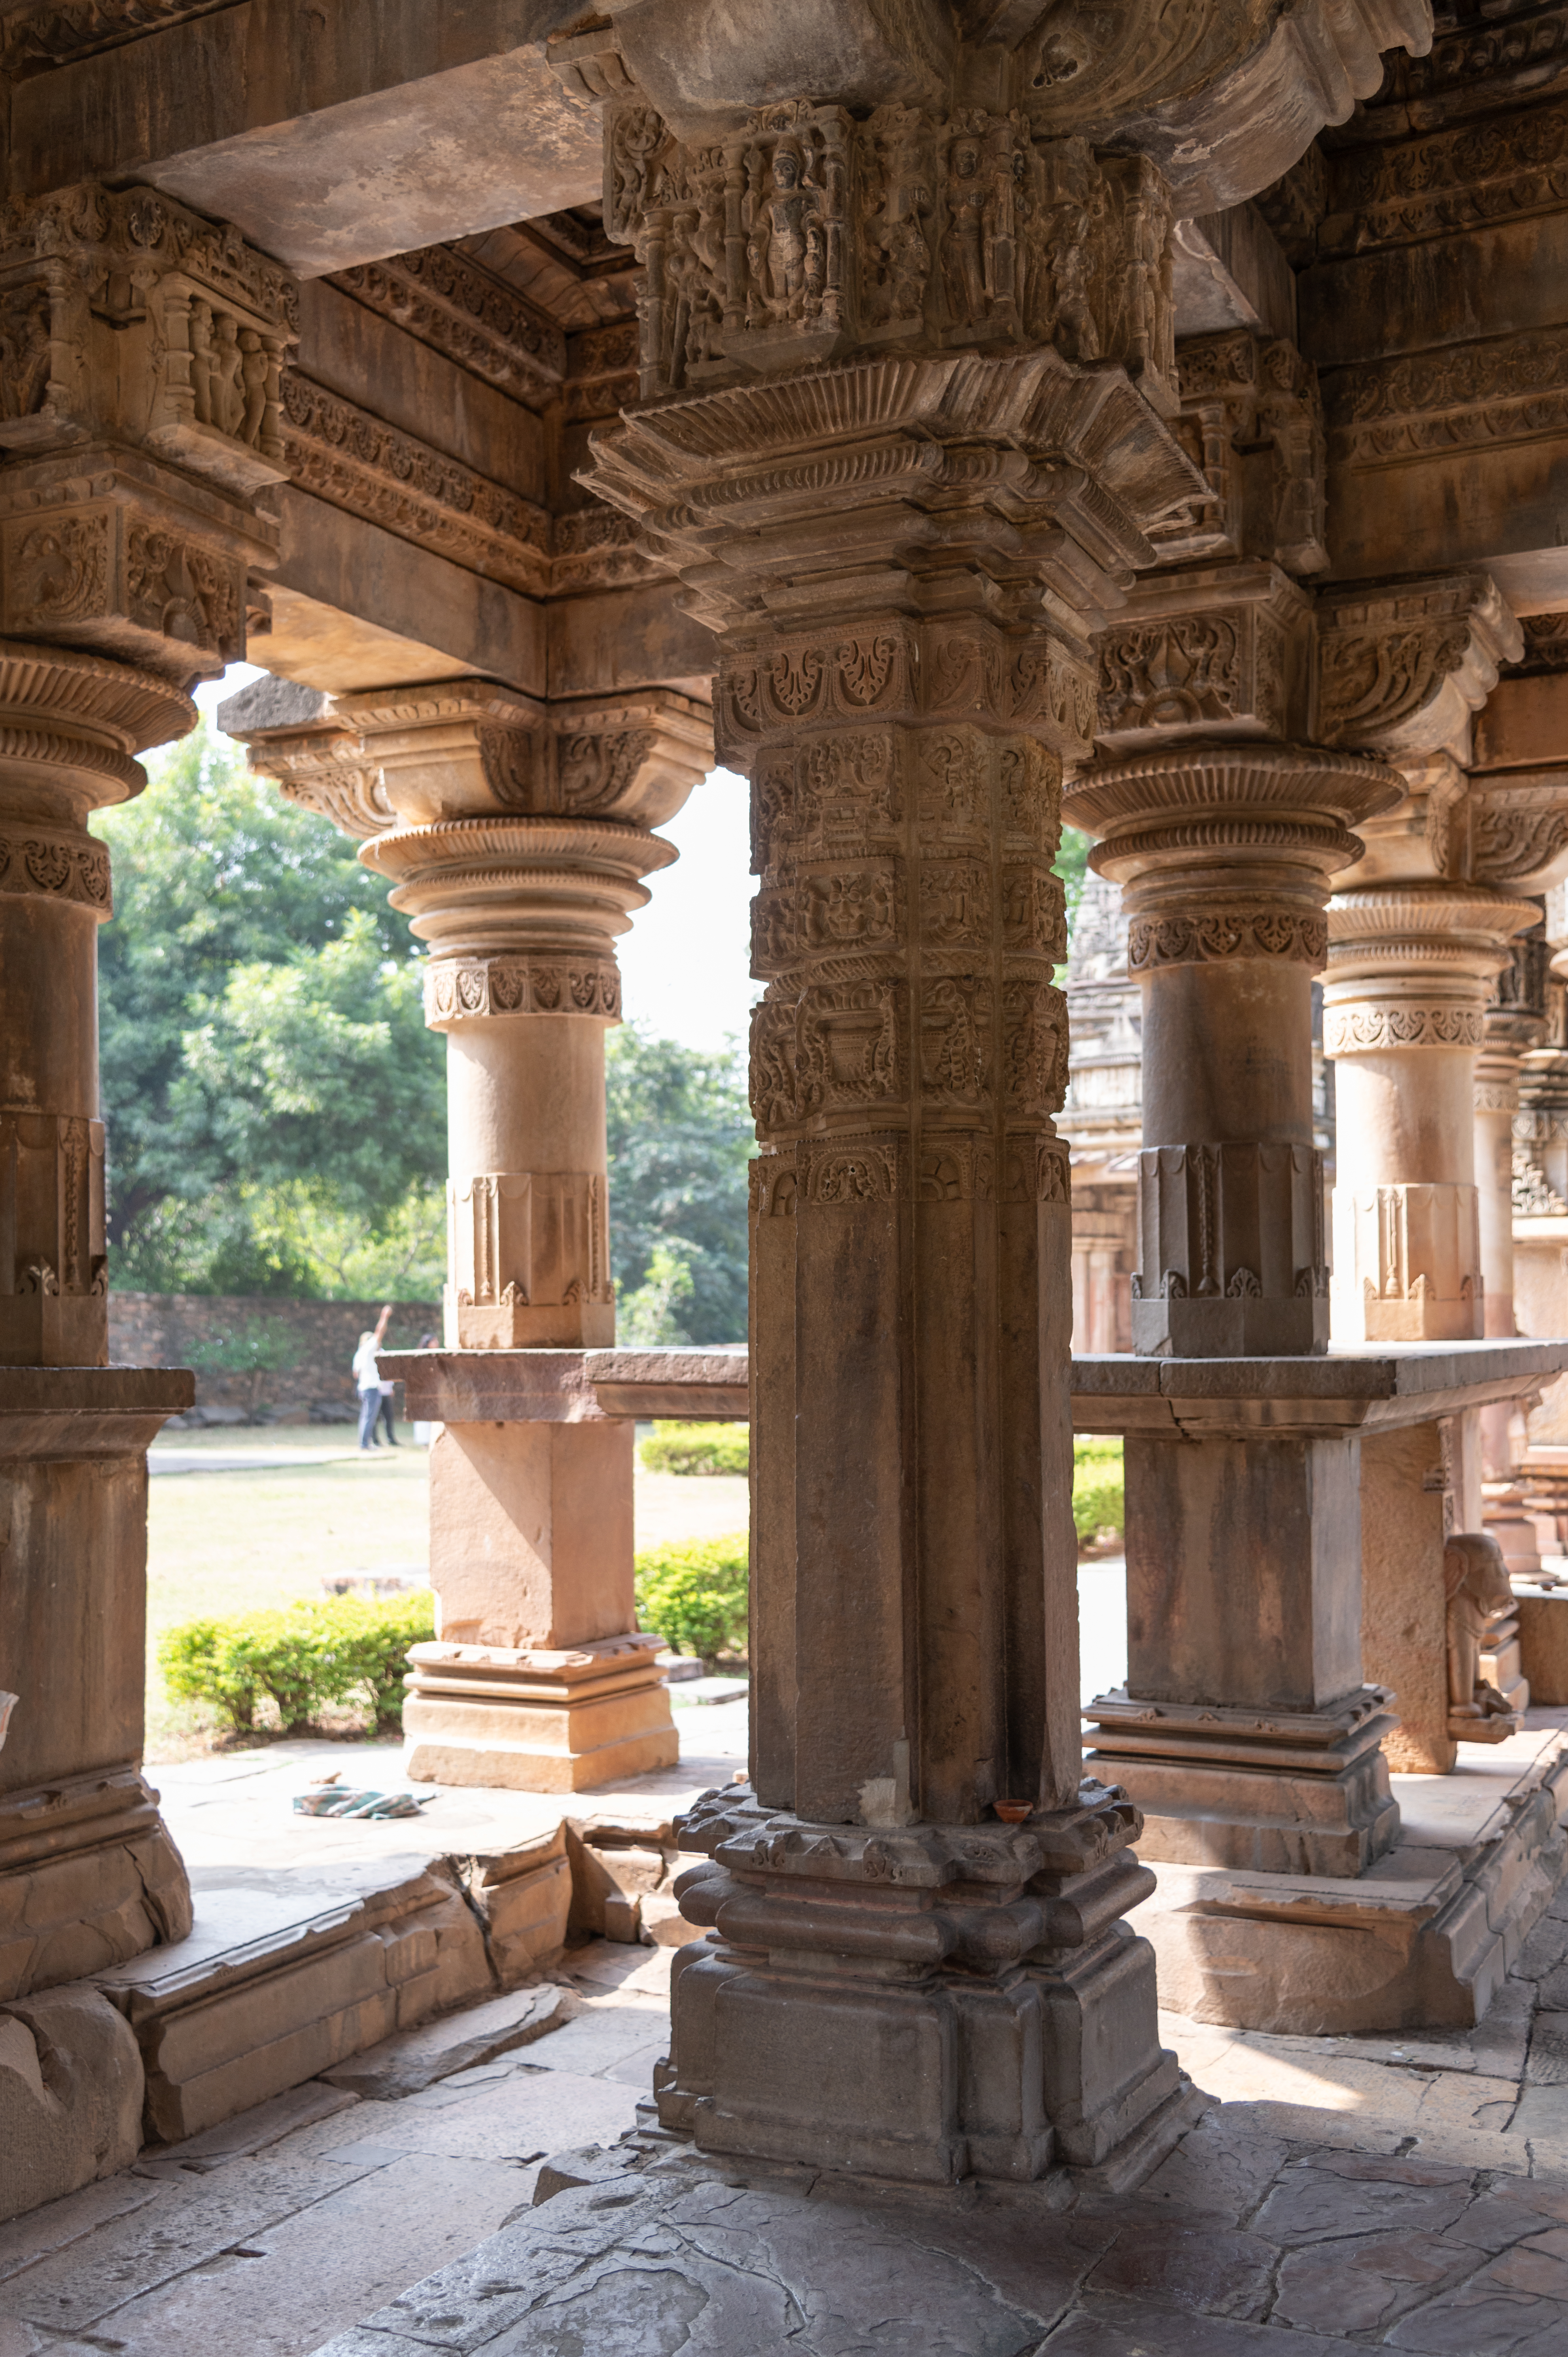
(1224, 853)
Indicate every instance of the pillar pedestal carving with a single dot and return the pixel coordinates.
(515, 835)
(902, 557)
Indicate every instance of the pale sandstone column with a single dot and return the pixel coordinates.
(516, 834)
(125, 531)
(917, 1965)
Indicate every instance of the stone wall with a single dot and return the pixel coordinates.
(316, 1384)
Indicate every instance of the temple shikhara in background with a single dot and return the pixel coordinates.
(959, 420)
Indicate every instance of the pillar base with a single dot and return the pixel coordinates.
(535, 1721)
(89, 1877)
(1277, 1792)
(919, 2002)
(1423, 1941)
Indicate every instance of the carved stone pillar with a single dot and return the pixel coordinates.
(139, 357)
(916, 1966)
(1418, 932)
(515, 835)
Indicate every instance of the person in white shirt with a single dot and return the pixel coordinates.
(375, 1396)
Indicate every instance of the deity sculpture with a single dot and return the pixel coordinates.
(964, 240)
(786, 248)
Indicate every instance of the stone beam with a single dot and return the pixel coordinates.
(329, 139)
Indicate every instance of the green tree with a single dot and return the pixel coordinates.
(679, 1139)
(275, 1106)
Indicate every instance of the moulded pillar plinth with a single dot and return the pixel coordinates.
(1245, 1732)
(89, 1875)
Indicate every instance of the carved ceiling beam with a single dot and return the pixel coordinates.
(466, 313)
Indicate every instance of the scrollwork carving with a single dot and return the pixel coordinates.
(1362, 1030)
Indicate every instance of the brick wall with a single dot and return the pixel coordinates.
(158, 1330)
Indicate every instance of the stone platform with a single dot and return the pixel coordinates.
(1423, 1939)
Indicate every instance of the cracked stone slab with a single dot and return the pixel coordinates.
(417, 2058)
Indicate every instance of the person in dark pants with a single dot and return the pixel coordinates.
(375, 1397)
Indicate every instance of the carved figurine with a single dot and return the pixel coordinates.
(24, 352)
(202, 362)
(786, 249)
(1476, 1584)
(964, 239)
(227, 395)
(253, 371)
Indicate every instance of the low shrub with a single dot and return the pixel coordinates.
(697, 1449)
(347, 1649)
(1098, 1495)
(694, 1593)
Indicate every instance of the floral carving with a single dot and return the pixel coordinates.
(511, 983)
(1360, 1031)
(1459, 397)
(57, 571)
(1272, 932)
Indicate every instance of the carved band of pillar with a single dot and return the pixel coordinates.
(530, 1261)
(1232, 1242)
(459, 990)
(1407, 1262)
(1222, 929)
(53, 1260)
(1371, 1027)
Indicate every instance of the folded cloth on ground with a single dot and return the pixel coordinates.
(333, 1802)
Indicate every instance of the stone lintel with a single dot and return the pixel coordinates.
(570, 1386)
(1345, 1391)
(88, 1411)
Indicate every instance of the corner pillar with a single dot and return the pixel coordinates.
(127, 471)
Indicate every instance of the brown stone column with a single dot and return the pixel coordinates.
(1245, 1730)
(515, 835)
(917, 1965)
(125, 531)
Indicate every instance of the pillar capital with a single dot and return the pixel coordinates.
(139, 415)
(1402, 665)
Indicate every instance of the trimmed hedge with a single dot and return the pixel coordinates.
(347, 1649)
(697, 1449)
(694, 1592)
(1098, 1495)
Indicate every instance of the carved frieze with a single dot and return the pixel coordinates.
(111, 572)
(459, 990)
(341, 453)
(1519, 829)
(807, 235)
(1232, 930)
(62, 867)
(1401, 669)
(42, 33)
(124, 314)
(1456, 397)
(1502, 168)
(461, 310)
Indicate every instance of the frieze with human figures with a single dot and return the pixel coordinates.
(807, 235)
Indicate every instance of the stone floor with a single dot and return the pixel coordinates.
(1404, 2194)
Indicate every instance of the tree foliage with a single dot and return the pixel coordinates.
(680, 1137)
(276, 1107)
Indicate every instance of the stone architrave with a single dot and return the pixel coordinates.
(515, 835)
(917, 1965)
(140, 353)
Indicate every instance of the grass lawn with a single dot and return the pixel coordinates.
(239, 1540)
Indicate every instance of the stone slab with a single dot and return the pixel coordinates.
(418, 2058)
(1351, 1388)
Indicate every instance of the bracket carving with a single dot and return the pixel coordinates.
(1401, 669)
